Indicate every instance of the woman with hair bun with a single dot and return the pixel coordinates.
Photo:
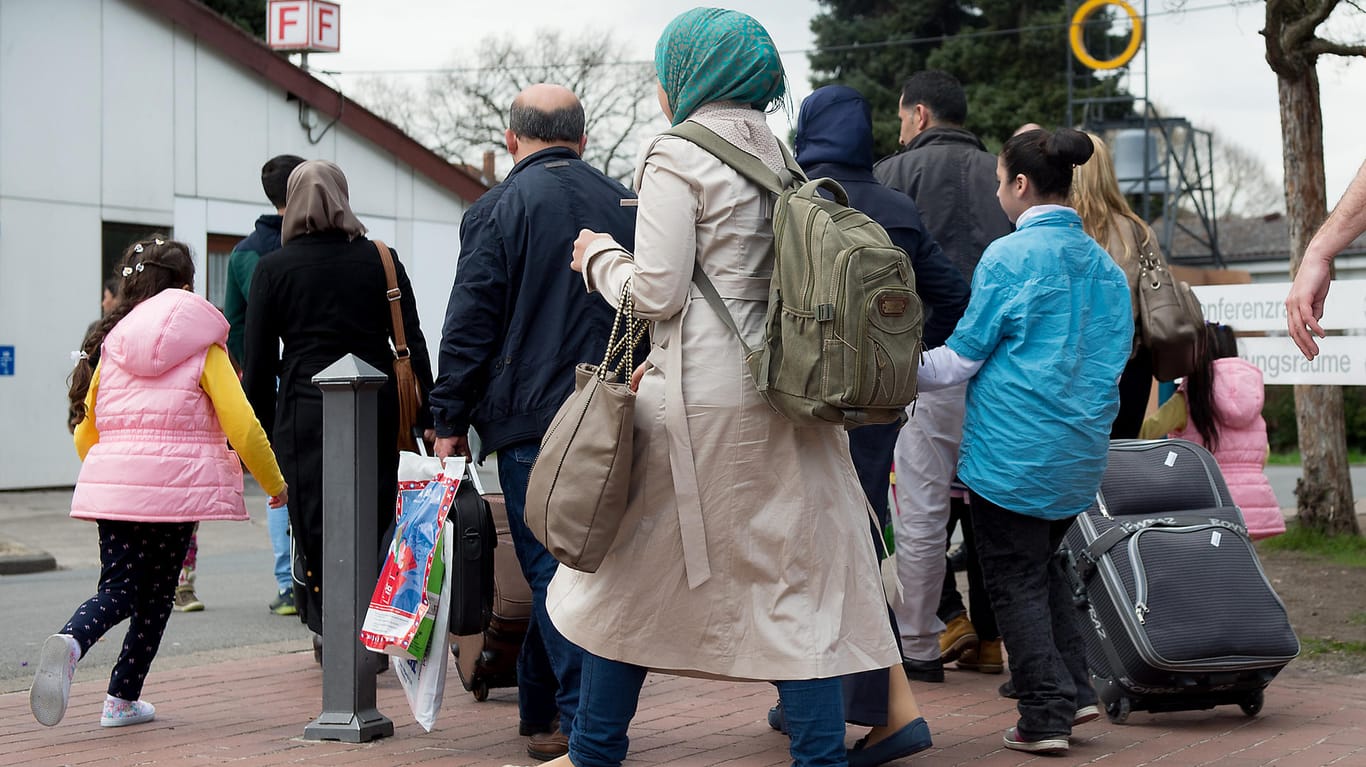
(1046, 335)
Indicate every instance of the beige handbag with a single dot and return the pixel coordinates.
(1171, 324)
(577, 492)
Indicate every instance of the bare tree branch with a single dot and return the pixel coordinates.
(1318, 47)
(462, 113)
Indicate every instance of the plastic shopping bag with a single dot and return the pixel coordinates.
(424, 679)
(402, 608)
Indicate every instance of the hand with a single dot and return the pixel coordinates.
(637, 374)
(586, 237)
(1304, 305)
(449, 446)
(282, 499)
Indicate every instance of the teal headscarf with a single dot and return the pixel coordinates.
(712, 54)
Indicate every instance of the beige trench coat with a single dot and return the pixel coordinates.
(747, 550)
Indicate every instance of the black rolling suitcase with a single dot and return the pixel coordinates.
(1177, 612)
(487, 658)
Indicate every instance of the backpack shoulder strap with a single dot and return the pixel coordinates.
(739, 160)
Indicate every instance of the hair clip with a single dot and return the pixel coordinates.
(78, 356)
(159, 242)
(138, 267)
(137, 248)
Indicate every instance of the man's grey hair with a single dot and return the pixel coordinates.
(560, 125)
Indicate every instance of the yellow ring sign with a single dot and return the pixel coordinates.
(1079, 45)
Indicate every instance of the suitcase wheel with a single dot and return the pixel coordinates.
(1253, 705)
(481, 691)
(1118, 709)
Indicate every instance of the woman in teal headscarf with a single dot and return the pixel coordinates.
(745, 554)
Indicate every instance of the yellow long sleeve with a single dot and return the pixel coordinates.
(1168, 418)
(238, 420)
(86, 434)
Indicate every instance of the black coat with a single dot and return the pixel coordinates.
(324, 297)
(952, 178)
(519, 319)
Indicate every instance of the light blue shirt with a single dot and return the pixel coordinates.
(1051, 322)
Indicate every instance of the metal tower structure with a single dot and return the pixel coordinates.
(1165, 165)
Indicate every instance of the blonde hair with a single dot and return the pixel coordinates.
(1097, 199)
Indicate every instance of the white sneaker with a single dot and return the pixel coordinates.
(1086, 714)
(121, 713)
(51, 689)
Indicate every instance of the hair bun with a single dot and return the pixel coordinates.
(1070, 145)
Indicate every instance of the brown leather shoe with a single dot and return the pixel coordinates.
(959, 637)
(547, 745)
(986, 657)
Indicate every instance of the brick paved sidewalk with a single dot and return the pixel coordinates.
(253, 712)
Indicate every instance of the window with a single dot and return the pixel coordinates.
(216, 265)
(114, 240)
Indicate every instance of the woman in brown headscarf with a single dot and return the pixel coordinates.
(323, 295)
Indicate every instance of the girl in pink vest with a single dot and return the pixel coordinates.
(1219, 405)
(154, 404)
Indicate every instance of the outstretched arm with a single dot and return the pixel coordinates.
(1304, 305)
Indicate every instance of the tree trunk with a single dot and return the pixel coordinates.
(1324, 492)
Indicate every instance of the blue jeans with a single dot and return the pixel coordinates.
(611, 692)
(277, 522)
(549, 665)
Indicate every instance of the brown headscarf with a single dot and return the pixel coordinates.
(316, 200)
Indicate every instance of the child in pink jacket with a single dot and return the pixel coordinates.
(152, 418)
(1219, 405)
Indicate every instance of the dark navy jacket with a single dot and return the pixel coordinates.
(241, 264)
(519, 319)
(835, 140)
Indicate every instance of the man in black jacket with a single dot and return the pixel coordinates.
(952, 178)
(518, 322)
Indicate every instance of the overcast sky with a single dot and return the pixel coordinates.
(1205, 59)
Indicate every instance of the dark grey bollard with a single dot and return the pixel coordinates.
(350, 552)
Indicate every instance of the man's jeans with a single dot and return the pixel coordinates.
(548, 661)
(277, 522)
(1037, 617)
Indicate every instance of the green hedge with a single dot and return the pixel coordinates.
(1282, 431)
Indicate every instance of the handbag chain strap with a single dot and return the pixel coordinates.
(627, 331)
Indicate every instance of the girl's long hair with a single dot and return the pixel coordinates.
(147, 267)
(1097, 199)
(1201, 409)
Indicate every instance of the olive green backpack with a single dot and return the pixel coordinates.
(842, 336)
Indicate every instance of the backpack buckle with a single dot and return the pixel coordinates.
(825, 312)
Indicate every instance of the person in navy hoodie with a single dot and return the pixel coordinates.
(835, 140)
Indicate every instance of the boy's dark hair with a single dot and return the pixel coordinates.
(112, 285)
(1046, 158)
(275, 177)
(557, 125)
(148, 267)
(939, 92)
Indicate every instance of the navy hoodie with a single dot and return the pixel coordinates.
(835, 140)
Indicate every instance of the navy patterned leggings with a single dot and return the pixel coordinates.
(139, 567)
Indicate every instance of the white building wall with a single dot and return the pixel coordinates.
(110, 114)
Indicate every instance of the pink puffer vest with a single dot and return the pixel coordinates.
(1238, 397)
(162, 455)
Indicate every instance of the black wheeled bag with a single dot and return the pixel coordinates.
(487, 658)
(1176, 609)
(471, 560)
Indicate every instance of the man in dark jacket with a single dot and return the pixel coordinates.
(952, 178)
(835, 140)
(518, 322)
(241, 265)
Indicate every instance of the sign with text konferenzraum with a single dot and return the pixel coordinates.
(1260, 307)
